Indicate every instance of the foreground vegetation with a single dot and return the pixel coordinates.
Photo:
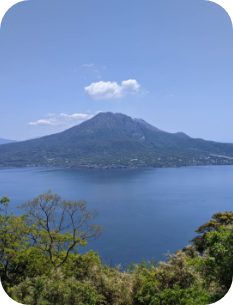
(40, 263)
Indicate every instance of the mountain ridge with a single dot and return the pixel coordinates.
(115, 140)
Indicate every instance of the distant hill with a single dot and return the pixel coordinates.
(113, 140)
(5, 141)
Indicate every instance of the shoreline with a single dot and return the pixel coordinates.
(112, 167)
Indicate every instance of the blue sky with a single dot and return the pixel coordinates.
(169, 62)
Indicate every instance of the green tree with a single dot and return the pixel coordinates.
(218, 263)
(178, 296)
(13, 240)
(54, 290)
(52, 233)
(58, 226)
(218, 220)
(175, 272)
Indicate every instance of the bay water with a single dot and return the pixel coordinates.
(146, 212)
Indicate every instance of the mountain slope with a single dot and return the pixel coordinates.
(115, 140)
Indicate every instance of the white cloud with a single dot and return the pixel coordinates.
(76, 116)
(50, 114)
(130, 85)
(63, 119)
(93, 70)
(88, 65)
(107, 90)
(42, 122)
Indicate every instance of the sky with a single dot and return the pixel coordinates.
(168, 62)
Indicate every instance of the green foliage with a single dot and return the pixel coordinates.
(149, 295)
(178, 296)
(59, 226)
(4, 201)
(115, 287)
(40, 263)
(219, 259)
(175, 272)
(13, 242)
(54, 290)
(144, 268)
(45, 239)
(191, 251)
(146, 293)
(218, 220)
(81, 265)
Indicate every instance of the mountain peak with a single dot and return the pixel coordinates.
(110, 119)
(113, 140)
(110, 115)
(122, 118)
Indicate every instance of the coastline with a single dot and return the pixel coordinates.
(109, 167)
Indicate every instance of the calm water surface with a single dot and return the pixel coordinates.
(145, 211)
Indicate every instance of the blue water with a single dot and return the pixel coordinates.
(145, 211)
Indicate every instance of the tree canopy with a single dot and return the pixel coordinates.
(41, 265)
(218, 220)
(57, 226)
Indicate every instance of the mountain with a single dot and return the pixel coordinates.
(5, 141)
(115, 140)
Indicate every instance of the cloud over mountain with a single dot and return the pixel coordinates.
(110, 90)
(63, 119)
